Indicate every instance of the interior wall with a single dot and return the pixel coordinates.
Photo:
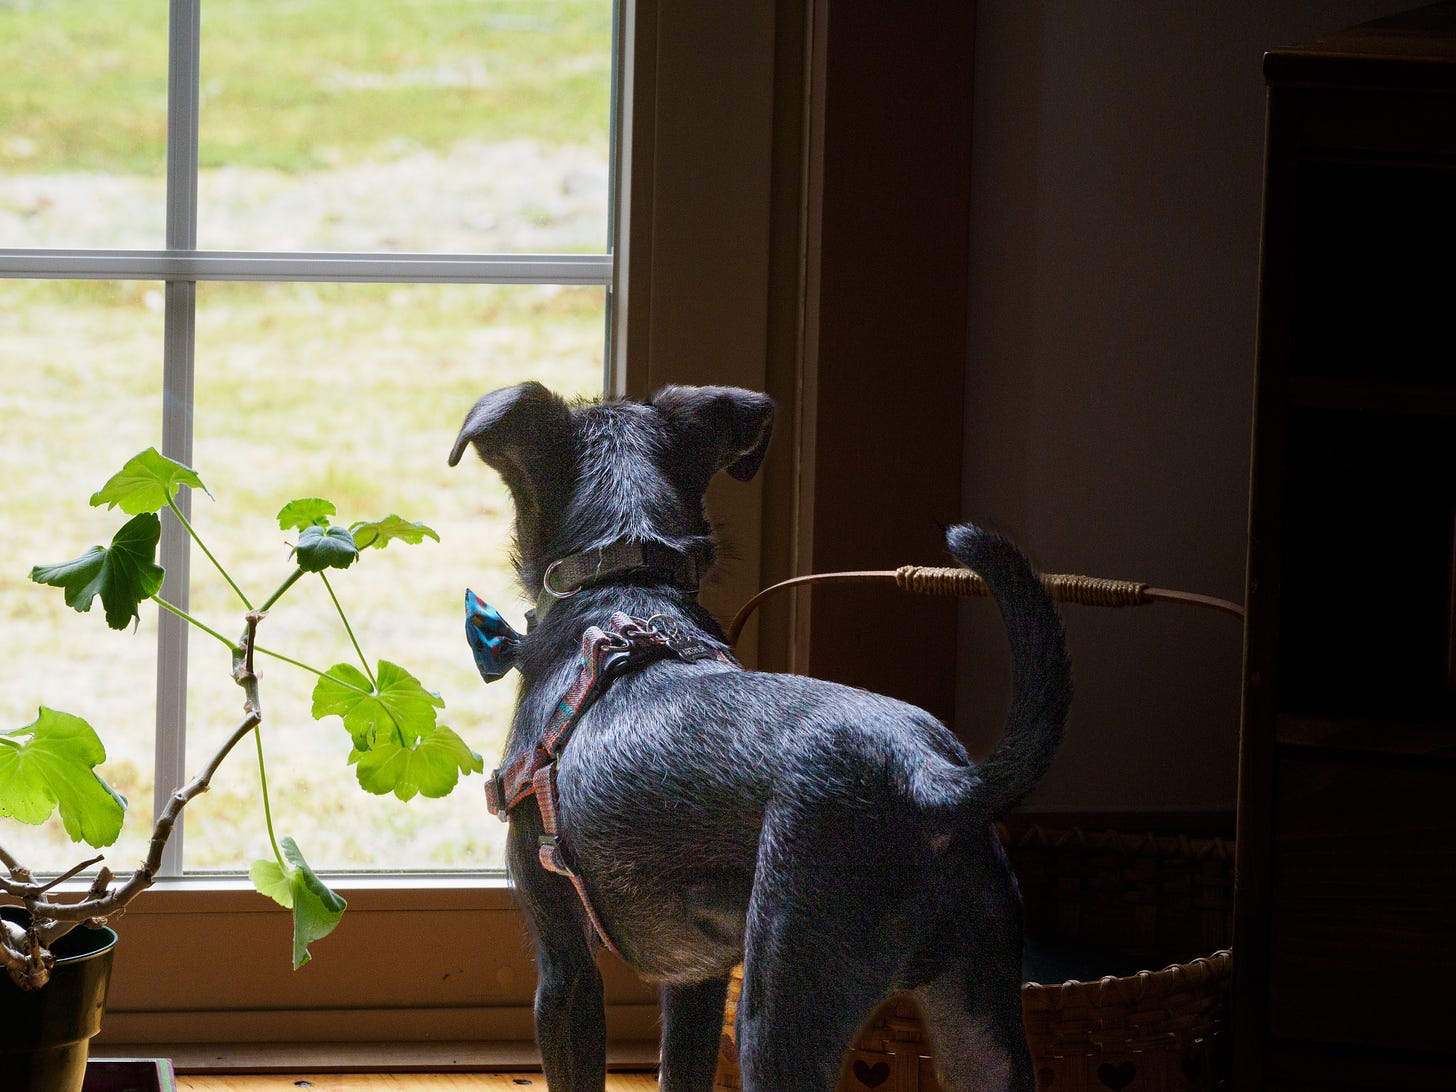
(1116, 185)
(695, 265)
(884, 336)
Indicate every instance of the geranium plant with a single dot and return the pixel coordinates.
(396, 742)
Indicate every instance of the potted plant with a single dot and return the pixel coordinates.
(54, 947)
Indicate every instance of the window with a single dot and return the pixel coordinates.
(289, 249)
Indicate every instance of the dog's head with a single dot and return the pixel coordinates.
(598, 473)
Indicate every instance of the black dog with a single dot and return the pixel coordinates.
(840, 844)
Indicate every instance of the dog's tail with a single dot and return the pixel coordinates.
(1041, 675)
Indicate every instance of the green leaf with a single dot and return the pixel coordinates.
(146, 483)
(122, 575)
(55, 767)
(398, 710)
(345, 691)
(321, 548)
(382, 532)
(270, 879)
(430, 767)
(297, 887)
(299, 515)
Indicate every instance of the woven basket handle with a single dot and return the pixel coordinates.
(1090, 591)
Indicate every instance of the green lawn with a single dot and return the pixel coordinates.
(296, 85)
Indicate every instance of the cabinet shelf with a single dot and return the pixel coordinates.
(1317, 392)
(1356, 735)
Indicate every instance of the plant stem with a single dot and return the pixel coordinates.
(277, 595)
(176, 511)
(12, 865)
(267, 810)
(306, 667)
(182, 614)
(104, 900)
(66, 875)
(350, 630)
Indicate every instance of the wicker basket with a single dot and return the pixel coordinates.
(1141, 898)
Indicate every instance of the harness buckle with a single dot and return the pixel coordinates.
(552, 854)
(495, 796)
(612, 660)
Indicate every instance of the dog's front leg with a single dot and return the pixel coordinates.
(570, 1015)
(692, 1028)
(571, 1025)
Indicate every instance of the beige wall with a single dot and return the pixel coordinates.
(1117, 158)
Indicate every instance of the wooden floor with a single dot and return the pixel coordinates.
(399, 1082)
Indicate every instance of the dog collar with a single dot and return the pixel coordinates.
(568, 575)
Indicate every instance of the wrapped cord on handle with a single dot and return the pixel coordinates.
(1091, 591)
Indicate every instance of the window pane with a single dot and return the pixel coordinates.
(456, 126)
(83, 395)
(354, 393)
(83, 124)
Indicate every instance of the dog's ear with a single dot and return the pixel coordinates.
(526, 415)
(524, 433)
(729, 426)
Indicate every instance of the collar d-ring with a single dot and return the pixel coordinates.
(546, 582)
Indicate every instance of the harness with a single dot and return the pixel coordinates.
(626, 644)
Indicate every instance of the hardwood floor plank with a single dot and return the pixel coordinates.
(397, 1082)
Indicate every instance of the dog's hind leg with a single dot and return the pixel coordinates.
(692, 1028)
(798, 1017)
(972, 1007)
(976, 1034)
(823, 945)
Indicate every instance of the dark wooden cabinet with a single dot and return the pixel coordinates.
(1345, 924)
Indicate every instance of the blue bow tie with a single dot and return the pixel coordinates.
(493, 643)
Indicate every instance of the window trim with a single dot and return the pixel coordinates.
(463, 997)
(184, 265)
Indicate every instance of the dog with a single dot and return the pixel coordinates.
(839, 844)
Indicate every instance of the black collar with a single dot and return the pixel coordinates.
(566, 576)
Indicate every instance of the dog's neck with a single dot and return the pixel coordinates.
(615, 561)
